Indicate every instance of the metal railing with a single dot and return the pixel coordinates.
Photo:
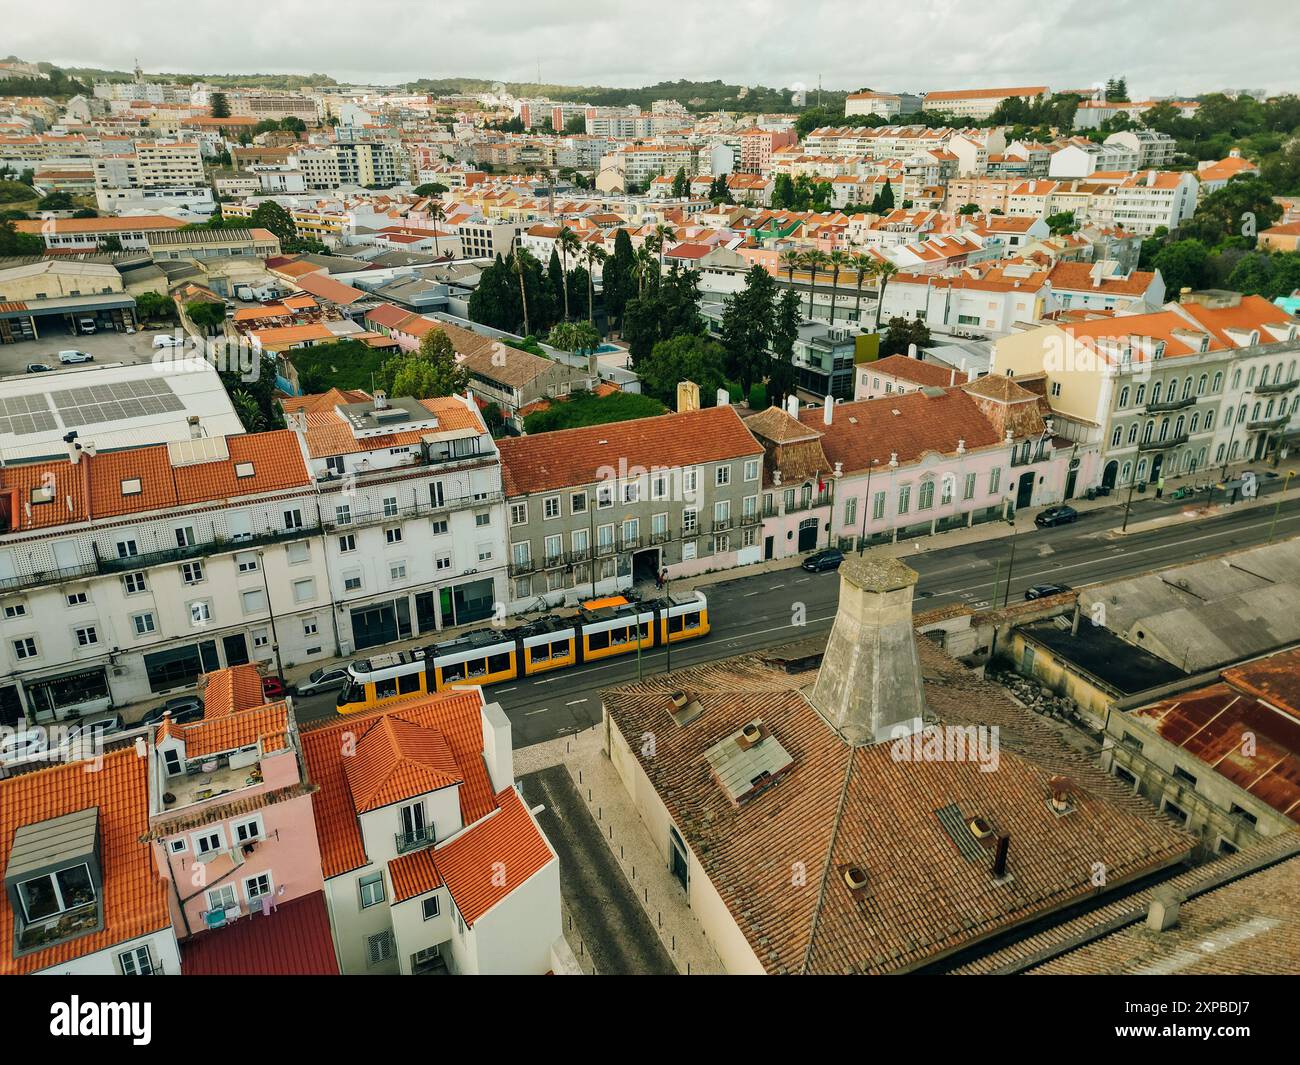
(412, 510)
(520, 568)
(1276, 386)
(1170, 404)
(1162, 445)
(415, 840)
(1268, 423)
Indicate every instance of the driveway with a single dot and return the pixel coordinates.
(105, 347)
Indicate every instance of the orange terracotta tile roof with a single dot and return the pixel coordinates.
(397, 759)
(471, 865)
(323, 400)
(98, 225)
(226, 691)
(456, 715)
(134, 895)
(265, 725)
(276, 461)
(576, 456)
(328, 434)
(913, 370)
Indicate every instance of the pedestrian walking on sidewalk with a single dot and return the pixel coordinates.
(1160, 487)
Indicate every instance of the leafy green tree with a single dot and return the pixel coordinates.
(969, 209)
(783, 192)
(55, 201)
(218, 105)
(884, 200)
(902, 332)
(271, 216)
(431, 370)
(748, 322)
(206, 315)
(667, 309)
(249, 413)
(1182, 264)
(153, 307)
(617, 277)
(430, 188)
(574, 336)
(782, 376)
(685, 358)
(1061, 222)
(1243, 206)
(680, 184)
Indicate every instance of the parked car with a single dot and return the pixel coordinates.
(22, 745)
(72, 355)
(167, 340)
(86, 325)
(824, 560)
(1056, 516)
(38, 367)
(183, 708)
(322, 680)
(272, 688)
(1042, 591)
(100, 725)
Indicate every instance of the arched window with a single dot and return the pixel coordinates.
(1268, 411)
(1155, 393)
(1133, 433)
(1227, 417)
(1250, 377)
(1125, 473)
(1164, 428)
(1116, 436)
(1232, 455)
(1241, 414)
(1178, 426)
(1209, 419)
(1196, 420)
(1200, 385)
(1141, 394)
(1290, 371)
(1236, 380)
(925, 499)
(1187, 388)
(1147, 431)
(1142, 470)
(1254, 414)
(1123, 397)
(1218, 454)
(1218, 382)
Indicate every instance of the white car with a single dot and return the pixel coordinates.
(21, 745)
(166, 340)
(74, 356)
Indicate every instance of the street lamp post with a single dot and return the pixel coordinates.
(270, 609)
(866, 503)
(1011, 562)
(1278, 505)
(1129, 501)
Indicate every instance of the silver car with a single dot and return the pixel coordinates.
(322, 680)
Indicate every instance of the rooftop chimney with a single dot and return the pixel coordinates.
(911, 351)
(381, 399)
(1162, 913)
(1000, 856)
(74, 449)
(792, 405)
(721, 398)
(869, 687)
(195, 431)
(688, 396)
(828, 411)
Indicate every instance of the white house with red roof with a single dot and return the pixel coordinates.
(432, 860)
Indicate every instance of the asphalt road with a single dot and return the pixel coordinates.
(766, 609)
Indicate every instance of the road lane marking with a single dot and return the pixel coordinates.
(575, 702)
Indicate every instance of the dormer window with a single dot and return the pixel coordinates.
(53, 880)
(132, 487)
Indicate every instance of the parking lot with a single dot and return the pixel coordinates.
(105, 347)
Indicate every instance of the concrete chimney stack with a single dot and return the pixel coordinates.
(869, 687)
(721, 398)
(828, 411)
(792, 406)
(1162, 913)
(195, 431)
(911, 351)
(688, 397)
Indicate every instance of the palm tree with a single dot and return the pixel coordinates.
(437, 213)
(663, 234)
(644, 260)
(838, 261)
(520, 253)
(569, 244)
(791, 261)
(593, 253)
(865, 265)
(884, 271)
(812, 262)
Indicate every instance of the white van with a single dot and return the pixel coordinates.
(86, 325)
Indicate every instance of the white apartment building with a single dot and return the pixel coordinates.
(158, 175)
(885, 104)
(980, 103)
(1153, 198)
(125, 574)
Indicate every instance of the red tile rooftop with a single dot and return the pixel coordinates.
(294, 940)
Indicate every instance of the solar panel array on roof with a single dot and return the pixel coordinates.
(116, 402)
(21, 415)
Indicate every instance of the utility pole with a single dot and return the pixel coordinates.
(865, 504)
(275, 637)
(668, 627)
(1278, 505)
(1129, 501)
(1011, 563)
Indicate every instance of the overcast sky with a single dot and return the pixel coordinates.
(1161, 46)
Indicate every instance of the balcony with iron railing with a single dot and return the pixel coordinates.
(801, 503)
(752, 518)
(1275, 422)
(722, 525)
(415, 840)
(1162, 445)
(1276, 386)
(552, 561)
(521, 567)
(1171, 404)
(661, 537)
(384, 515)
(215, 546)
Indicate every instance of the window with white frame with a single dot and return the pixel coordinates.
(722, 475)
(604, 496)
(258, 887)
(208, 841)
(86, 635)
(304, 590)
(136, 962)
(430, 907)
(77, 599)
(200, 612)
(550, 507)
(393, 534)
(246, 561)
(390, 506)
(371, 887)
(343, 514)
(192, 572)
(297, 552)
(577, 502)
(397, 571)
(347, 543)
(252, 601)
(222, 897)
(15, 610)
(751, 469)
(247, 830)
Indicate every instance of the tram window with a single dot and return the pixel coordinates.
(540, 653)
(691, 621)
(453, 672)
(560, 649)
(477, 668)
(598, 640)
(618, 636)
(675, 623)
(499, 663)
(408, 683)
(385, 689)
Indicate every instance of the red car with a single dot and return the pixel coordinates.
(272, 688)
